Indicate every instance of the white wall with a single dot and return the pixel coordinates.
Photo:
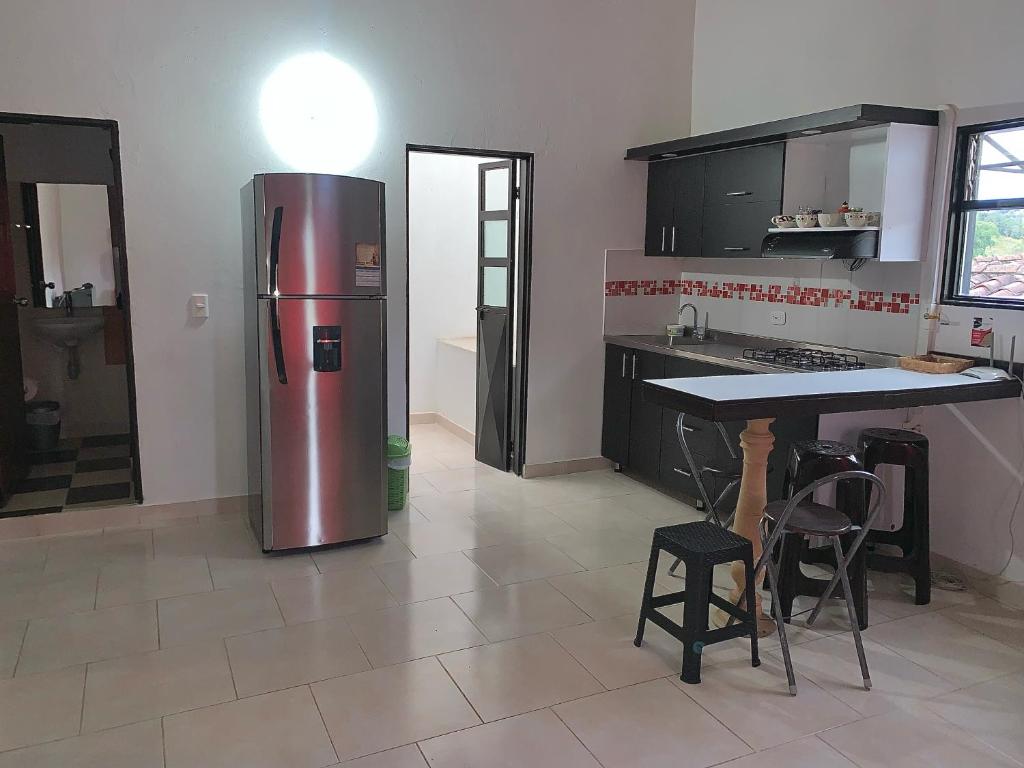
(74, 222)
(761, 61)
(443, 200)
(575, 82)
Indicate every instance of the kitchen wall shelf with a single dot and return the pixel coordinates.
(776, 230)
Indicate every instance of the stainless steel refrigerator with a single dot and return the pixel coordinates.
(315, 308)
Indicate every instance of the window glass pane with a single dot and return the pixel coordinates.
(496, 239)
(1000, 165)
(993, 263)
(495, 286)
(496, 190)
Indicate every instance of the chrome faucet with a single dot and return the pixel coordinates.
(699, 332)
(69, 306)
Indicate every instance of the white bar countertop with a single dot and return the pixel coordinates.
(744, 396)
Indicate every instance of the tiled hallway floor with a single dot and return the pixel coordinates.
(491, 627)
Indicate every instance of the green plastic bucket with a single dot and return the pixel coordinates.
(399, 459)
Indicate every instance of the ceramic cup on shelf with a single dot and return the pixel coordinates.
(874, 218)
(784, 221)
(830, 219)
(806, 220)
(856, 219)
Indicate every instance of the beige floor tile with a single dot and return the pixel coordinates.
(523, 561)
(12, 528)
(581, 486)
(36, 500)
(132, 746)
(254, 567)
(68, 553)
(419, 487)
(449, 480)
(335, 593)
(519, 609)
(527, 741)
(430, 538)
(22, 556)
(391, 707)
(992, 711)
(522, 524)
(458, 504)
(640, 726)
(403, 757)
(427, 578)
(512, 492)
(947, 648)
(422, 462)
(31, 595)
(78, 638)
(606, 592)
(606, 649)
(602, 549)
(90, 517)
(893, 595)
(811, 752)
(659, 508)
(12, 633)
(225, 538)
(912, 739)
(269, 731)
(518, 676)
(214, 615)
(134, 582)
(150, 685)
(82, 479)
(408, 632)
(896, 681)
(386, 549)
(992, 619)
(275, 659)
(755, 704)
(610, 514)
(42, 707)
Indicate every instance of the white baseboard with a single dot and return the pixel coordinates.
(565, 467)
(1000, 589)
(425, 417)
(429, 417)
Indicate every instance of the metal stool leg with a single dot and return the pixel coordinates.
(652, 569)
(773, 581)
(854, 624)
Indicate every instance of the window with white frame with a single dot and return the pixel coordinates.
(985, 257)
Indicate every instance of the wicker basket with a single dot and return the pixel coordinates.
(935, 363)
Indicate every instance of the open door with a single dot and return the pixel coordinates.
(495, 292)
(13, 465)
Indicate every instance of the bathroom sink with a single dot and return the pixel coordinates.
(66, 331)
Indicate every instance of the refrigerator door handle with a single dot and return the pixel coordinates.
(275, 249)
(275, 334)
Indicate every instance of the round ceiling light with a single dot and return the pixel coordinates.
(318, 114)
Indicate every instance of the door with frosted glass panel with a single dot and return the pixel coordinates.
(495, 281)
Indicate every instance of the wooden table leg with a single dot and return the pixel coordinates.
(756, 441)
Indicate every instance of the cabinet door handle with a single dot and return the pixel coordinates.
(734, 248)
(682, 472)
(624, 356)
(634, 365)
(673, 239)
(663, 239)
(738, 194)
(688, 428)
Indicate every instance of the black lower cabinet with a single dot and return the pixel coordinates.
(642, 438)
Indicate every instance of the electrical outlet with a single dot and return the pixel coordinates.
(778, 317)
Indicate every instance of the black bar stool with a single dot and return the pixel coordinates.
(809, 461)
(903, 448)
(701, 546)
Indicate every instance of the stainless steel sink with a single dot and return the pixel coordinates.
(674, 341)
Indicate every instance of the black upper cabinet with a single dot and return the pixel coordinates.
(736, 231)
(618, 388)
(747, 175)
(675, 191)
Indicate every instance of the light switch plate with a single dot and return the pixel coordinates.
(199, 305)
(778, 317)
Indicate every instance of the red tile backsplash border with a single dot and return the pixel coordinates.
(897, 303)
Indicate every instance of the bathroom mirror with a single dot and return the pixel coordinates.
(70, 251)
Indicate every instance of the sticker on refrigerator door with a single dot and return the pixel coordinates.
(367, 265)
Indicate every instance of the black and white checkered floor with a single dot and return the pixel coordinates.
(79, 472)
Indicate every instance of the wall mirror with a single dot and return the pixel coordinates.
(71, 255)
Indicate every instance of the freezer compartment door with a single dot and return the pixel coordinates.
(323, 421)
(319, 235)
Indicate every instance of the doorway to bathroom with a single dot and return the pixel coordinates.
(68, 425)
(468, 232)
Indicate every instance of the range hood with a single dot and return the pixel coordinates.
(821, 244)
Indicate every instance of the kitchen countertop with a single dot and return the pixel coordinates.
(726, 349)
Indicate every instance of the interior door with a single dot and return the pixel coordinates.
(12, 418)
(495, 283)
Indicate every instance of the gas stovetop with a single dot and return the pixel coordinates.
(805, 359)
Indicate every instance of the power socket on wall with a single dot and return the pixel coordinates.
(778, 317)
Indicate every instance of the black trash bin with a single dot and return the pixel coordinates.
(42, 418)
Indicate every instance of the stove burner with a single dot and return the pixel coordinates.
(804, 359)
